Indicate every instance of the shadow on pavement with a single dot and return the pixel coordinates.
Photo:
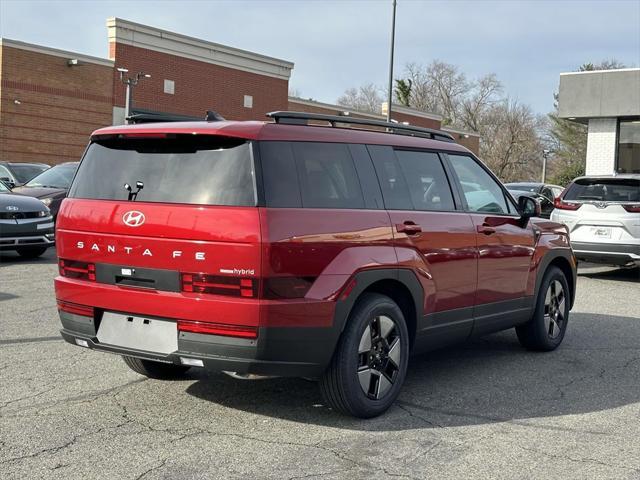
(488, 380)
(11, 257)
(619, 274)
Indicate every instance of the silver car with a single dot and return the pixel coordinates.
(603, 218)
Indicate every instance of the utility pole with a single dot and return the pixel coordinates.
(393, 37)
(545, 156)
(130, 82)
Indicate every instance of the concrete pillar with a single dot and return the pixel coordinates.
(601, 146)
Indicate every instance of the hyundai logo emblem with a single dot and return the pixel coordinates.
(12, 208)
(133, 218)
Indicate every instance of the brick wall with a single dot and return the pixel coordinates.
(199, 86)
(601, 146)
(59, 106)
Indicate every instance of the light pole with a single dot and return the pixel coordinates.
(545, 156)
(130, 82)
(393, 37)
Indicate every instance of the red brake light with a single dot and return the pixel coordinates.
(144, 135)
(75, 308)
(632, 207)
(219, 285)
(562, 205)
(75, 269)
(241, 331)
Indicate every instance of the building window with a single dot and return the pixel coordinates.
(169, 87)
(629, 146)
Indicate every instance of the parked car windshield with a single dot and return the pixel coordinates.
(26, 172)
(605, 190)
(4, 188)
(203, 170)
(59, 176)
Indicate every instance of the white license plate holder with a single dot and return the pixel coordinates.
(601, 232)
(139, 333)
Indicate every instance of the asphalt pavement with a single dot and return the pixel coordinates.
(486, 409)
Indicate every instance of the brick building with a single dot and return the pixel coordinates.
(51, 100)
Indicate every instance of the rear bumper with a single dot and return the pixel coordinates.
(278, 351)
(608, 253)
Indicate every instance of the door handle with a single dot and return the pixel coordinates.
(486, 229)
(408, 227)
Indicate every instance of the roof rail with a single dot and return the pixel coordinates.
(302, 118)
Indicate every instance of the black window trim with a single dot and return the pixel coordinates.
(507, 196)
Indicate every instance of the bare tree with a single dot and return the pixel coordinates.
(366, 98)
(481, 97)
(511, 142)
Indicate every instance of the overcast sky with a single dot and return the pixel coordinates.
(338, 44)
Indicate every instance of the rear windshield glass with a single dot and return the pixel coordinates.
(605, 190)
(203, 170)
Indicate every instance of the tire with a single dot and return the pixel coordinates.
(545, 331)
(365, 376)
(31, 252)
(157, 370)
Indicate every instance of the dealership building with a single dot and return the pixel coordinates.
(51, 100)
(608, 102)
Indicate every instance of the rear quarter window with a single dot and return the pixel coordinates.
(310, 175)
(203, 170)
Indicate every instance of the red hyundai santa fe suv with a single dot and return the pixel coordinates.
(301, 247)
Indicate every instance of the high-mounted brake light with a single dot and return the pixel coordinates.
(560, 204)
(75, 308)
(220, 285)
(240, 331)
(144, 135)
(75, 269)
(632, 207)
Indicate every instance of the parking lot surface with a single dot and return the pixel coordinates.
(486, 409)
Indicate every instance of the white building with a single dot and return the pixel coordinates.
(608, 101)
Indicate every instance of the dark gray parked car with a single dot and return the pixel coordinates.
(51, 186)
(26, 224)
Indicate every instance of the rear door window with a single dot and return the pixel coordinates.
(394, 187)
(203, 170)
(604, 190)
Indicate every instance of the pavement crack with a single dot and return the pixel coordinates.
(152, 469)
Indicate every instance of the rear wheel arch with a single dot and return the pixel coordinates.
(400, 285)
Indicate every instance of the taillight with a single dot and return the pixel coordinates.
(220, 285)
(75, 269)
(75, 308)
(632, 207)
(562, 205)
(241, 331)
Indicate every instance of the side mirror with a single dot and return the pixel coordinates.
(8, 181)
(528, 207)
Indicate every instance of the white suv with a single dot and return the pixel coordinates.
(603, 218)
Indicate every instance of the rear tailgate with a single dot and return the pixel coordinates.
(605, 223)
(187, 246)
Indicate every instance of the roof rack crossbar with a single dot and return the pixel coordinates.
(302, 118)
